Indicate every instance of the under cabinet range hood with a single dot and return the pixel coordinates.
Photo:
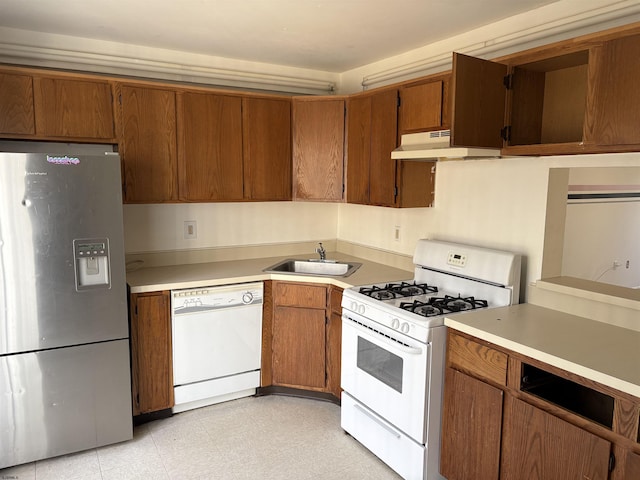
(436, 145)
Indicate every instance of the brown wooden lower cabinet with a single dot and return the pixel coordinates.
(302, 336)
(540, 445)
(540, 423)
(151, 360)
(472, 419)
(334, 342)
(627, 465)
(301, 345)
(299, 348)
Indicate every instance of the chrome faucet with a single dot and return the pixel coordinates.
(321, 251)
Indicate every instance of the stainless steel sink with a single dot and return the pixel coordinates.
(330, 268)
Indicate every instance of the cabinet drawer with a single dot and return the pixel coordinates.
(478, 359)
(300, 295)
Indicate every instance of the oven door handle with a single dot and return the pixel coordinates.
(398, 344)
(372, 417)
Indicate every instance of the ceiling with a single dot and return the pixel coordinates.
(326, 35)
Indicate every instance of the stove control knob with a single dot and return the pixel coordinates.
(354, 306)
(395, 324)
(361, 309)
(404, 328)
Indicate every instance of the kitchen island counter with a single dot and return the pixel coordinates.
(595, 350)
(239, 271)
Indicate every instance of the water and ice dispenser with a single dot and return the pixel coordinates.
(91, 257)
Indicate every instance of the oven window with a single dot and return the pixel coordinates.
(380, 363)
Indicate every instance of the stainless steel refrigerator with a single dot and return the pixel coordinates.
(64, 334)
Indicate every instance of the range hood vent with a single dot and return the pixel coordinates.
(436, 145)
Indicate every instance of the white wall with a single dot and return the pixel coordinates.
(599, 233)
(593, 242)
(153, 228)
(497, 203)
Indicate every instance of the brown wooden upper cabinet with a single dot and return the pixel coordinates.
(371, 136)
(416, 180)
(424, 106)
(233, 148)
(16, 104)
(266, 126)
(373, 177)
(56, 107)
(614, 118)
(198, 146)
(318, 148)
(74, 108)
(148, 144)
(209, 147)
(568, 98)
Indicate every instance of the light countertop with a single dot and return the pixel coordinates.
(240, 271)
(595, 350)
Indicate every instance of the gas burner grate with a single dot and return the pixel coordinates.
(379, 293)
(440, 305)
(459, 303)
(397, 290)
(424, 309)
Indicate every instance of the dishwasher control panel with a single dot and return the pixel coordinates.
(195, 300)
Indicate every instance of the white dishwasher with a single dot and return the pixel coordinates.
(217, 339)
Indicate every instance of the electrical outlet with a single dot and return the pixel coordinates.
(190, 229)
(616, 264)
(626, 265)
(396, 233)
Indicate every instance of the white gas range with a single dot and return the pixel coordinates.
(393, 346)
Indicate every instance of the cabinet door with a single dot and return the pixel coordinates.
(73, 108)
(416, 183)
(539, 445)
(16, 104)
(334, 341)
(384, 127)
(299, 348)
(616, 99)
(421, 107)
(371, 136)
(210, 147)
(149, 144)
(151, 352)
(627, 465)
(267, 148)
(478, 102)
(318, 149)
(471, 429)
(358, 157)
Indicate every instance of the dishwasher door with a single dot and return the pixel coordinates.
(217, 343)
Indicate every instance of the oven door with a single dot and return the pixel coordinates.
(387, 372)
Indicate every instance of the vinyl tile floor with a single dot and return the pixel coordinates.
(270, 437)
